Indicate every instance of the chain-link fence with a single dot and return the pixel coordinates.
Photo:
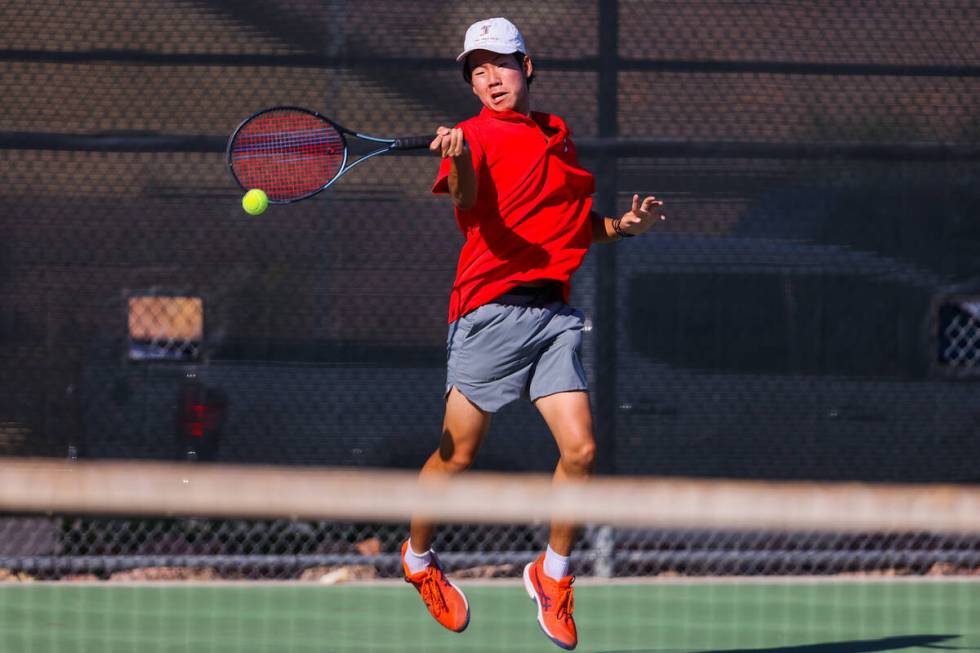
(807, 312)
(174, 549)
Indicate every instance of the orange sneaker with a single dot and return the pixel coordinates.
(555, 603)
(445, 601)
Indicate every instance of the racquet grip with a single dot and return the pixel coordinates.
(412, 142)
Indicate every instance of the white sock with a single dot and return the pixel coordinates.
(417, 561)
(555, 566)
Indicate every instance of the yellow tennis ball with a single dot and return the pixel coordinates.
(255, 202)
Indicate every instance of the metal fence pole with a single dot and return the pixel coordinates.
(605, 304)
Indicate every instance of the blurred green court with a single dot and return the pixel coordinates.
(807, 616)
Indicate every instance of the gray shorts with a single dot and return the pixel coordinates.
(500, 352)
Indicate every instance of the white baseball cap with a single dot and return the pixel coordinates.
(493, 34)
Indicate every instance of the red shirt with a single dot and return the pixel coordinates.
(530, 221)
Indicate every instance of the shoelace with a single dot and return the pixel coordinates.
(566, 602)
(432, 595)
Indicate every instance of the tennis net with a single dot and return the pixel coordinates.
(160, 557)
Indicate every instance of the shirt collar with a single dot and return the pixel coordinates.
(509, 115)
(546, 121)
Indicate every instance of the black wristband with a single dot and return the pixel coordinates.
(622, 233)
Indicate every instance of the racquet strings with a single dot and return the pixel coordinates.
(288, 154)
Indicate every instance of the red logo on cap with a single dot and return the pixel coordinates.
(484, 30)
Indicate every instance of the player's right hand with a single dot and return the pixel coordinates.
(448, 142)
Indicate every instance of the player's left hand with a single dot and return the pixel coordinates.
(643, 215)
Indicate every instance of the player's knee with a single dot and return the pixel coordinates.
(579, 457)
(456, 458)
(459, 461)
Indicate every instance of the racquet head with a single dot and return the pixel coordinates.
(289, 152)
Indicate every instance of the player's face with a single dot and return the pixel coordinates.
(499, 81)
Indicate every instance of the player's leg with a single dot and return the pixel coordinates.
(559, 390)
(462, 431)
(569, 417)
(547, 580)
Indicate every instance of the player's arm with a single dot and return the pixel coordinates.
(634, 222)
(450, 144)
(602, 229)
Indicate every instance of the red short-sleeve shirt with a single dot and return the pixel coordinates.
(531, 220)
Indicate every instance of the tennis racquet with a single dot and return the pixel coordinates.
(293, 153)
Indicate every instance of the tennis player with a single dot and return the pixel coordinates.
(525, 207)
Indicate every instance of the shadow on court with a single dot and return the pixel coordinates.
(851, 646)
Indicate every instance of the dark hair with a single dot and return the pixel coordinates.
(519, 56)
